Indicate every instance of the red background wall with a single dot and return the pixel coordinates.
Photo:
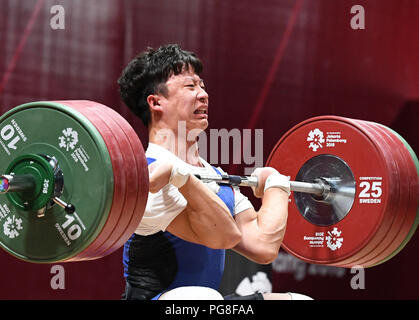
(268, 65)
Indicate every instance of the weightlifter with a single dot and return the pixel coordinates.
(178, 250)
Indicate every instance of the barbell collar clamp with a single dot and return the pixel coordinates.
(68, 207)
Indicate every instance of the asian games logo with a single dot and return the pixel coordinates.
(316, 139)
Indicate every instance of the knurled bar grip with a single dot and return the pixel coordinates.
(249, 181)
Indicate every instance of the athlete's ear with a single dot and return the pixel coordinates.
(153, 101)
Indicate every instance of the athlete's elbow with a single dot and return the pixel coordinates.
(234, 239)
(266, 252)
(269, 257)
(226, 241)
(266, 256)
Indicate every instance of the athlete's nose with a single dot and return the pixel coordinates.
(203, 96)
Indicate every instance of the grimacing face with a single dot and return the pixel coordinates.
(186, 100)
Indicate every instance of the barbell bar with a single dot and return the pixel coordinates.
(25, 183)
(320, 188)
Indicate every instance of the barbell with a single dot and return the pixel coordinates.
(75, 185)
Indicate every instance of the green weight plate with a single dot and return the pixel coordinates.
(57, 130)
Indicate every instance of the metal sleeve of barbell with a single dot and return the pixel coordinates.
(249, 181)
(306, 187)
(17, 183)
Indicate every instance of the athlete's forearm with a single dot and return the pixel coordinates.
(209, 217)
(263, 230)
(272, 215)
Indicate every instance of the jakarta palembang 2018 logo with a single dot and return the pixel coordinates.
(69, 139)
(316, 139)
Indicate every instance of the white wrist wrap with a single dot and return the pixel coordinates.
(277, 180)
(180, 175)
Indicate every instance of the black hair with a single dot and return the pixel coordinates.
(148, 72)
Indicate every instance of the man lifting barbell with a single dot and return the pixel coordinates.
(187, 224)
(355, 200)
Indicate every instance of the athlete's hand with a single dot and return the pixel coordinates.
(261, 174)
(163, 172)
(267, 178)
(159, 174)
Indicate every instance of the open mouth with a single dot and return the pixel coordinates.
(203, 109)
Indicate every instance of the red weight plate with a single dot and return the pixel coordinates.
(377, 242)
(131, 187)
(413, 207)
(368, 255)
(398, 211)
(122, 231)
(407, 209)
(128, 202)
(87, 108)
(143, 182)
(344, 139)
(401, 225)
